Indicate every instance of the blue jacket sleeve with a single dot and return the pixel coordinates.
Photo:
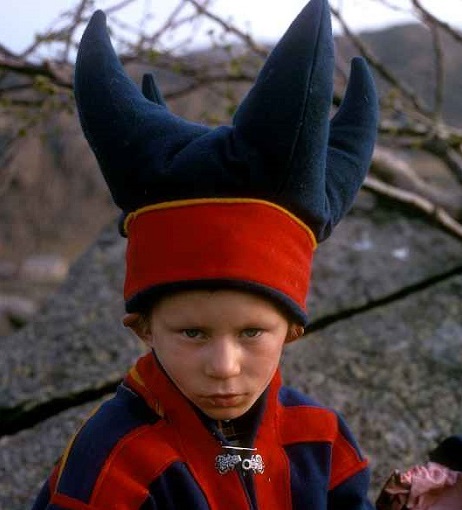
(352, 493)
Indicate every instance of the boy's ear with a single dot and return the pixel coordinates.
(139, 325)
(294, 333)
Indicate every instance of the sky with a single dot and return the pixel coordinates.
(265, 19)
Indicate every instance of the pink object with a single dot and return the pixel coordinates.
(428, 487)
(434, 487)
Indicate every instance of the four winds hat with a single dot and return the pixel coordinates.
(240, 206)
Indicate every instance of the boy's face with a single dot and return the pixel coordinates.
(221, 348)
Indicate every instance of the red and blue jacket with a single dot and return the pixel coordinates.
(148, 449)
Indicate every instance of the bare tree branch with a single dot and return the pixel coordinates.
(426, 15)
(391, 168)
(392, 6)
(434, 213)
(6, 52)
(205, 81)
(439, 72)
(57, 74)
(451, 156)
(383, 71)
(76, 19)
(244, 37)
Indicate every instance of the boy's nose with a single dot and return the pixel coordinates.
(223, 359)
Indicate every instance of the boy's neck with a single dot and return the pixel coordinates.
(239, 431)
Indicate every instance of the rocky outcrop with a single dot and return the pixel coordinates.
(384, 346)
(25, 285)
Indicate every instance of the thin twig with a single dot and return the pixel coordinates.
(243, 36)
(48, 69)
(204, 81)
(392, 6)
(427, 15)
(76, 19)
(439, 74)
(433, 212)
(439, 65)
(383, 70)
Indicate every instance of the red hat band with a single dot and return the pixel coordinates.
(246, 241)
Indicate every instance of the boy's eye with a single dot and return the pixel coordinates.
(192, 333)
(252, 332)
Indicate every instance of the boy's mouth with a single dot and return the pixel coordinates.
(224, 399)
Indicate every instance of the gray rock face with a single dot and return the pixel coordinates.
(27, 457)
(77, 341)
(44, 268)
(385, 347)
(395, 372)
(375, 253)
(17, 308)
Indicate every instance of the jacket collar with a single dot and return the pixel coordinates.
(148, 379)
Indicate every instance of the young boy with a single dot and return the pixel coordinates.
(221, 226)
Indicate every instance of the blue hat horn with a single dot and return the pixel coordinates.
(151, 91)
(281, 146)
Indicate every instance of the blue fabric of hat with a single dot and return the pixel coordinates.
(281, 147)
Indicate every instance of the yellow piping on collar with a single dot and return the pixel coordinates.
(70, 444)
(136, 376)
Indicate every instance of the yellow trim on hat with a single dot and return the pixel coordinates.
(200, 201)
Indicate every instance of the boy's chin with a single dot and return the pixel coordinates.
(225, 407)
(225, 413)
